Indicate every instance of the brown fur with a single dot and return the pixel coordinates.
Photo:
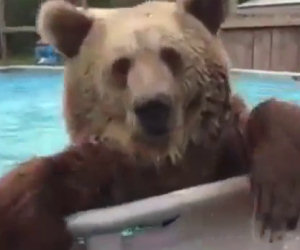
(233, 159)
(204, 145)
(273, 140)
(100, 95)
(68, 26)
(35, 197)
(203, 9)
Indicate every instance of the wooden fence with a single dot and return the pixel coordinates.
(263, 42)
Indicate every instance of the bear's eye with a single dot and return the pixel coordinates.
(172, 58)
(120, 69)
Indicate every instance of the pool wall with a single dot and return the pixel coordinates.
(210, 217)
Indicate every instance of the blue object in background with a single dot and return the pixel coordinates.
(46, 55)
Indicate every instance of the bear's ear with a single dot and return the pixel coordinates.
(63, 26)
(210, 12)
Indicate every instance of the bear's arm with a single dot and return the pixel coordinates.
(273, 140)
(37, 196)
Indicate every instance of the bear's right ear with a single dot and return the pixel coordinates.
(63, 26)
(210, 12)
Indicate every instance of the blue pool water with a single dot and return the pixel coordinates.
(30, 115)
(255, 88)
(31, 122)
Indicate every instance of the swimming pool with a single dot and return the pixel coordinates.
(255, 86)
(31, 121)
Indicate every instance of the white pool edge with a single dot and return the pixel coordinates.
(32, 67)
(233, 70)
(152, 210)
(265, 72)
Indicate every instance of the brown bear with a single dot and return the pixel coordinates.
(273, 144)
(151, 80)
(148, 109)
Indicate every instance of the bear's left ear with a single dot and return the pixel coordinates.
(210, 12)
(63, 26)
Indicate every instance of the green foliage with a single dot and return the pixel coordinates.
(19, 60)
(100, 3)
(21, 43)
(125, 3)
(21, 12)
(242, 1)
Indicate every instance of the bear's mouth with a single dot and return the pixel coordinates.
(153, 148)
(157, 141)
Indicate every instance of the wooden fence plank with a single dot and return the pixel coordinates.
(239, 46)
(285, 49)
(262, 49)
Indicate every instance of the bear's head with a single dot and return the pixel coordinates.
(152, 78)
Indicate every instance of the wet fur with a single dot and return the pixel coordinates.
(96, 172)
(273, 140)
(39, 194)
(95, 107)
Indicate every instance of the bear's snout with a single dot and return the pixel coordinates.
(153, 116)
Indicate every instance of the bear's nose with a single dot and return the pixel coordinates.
(154, 116)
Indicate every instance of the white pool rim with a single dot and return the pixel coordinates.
(233, 70)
